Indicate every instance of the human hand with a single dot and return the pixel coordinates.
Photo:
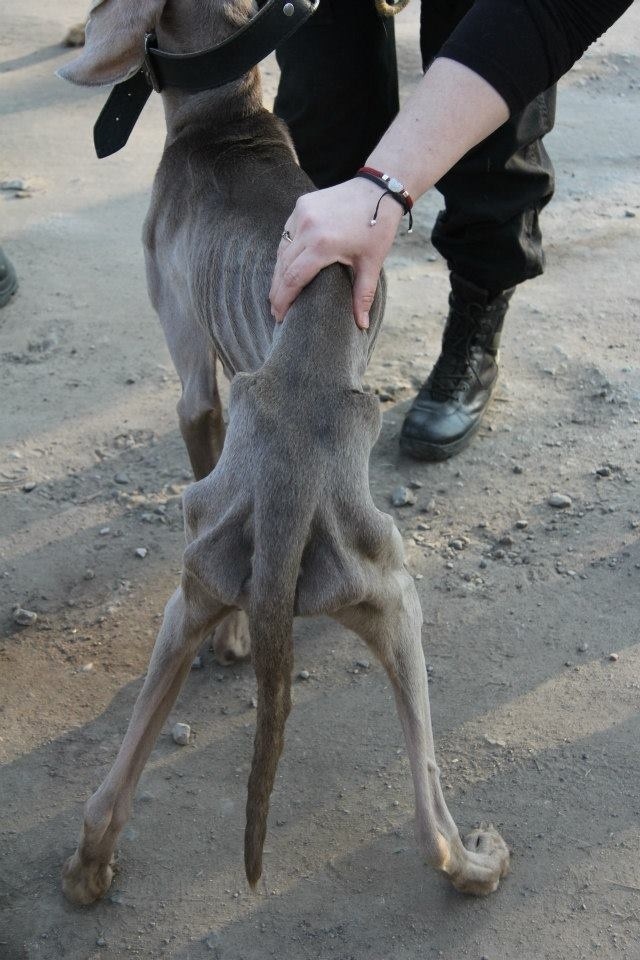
(334, 226)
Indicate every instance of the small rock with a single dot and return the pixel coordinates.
(121, 478)
(363, 664)
(181, 734)
(141, 552)
(560, 501)
(582, 647)
(449, 565)
(402, 497)
(499, 554)
(629, 214)
(614, 657)
(415, 484)
(304, 675)
(457, 545)
(603, 471)
(254, 703)
(101, 942)
(89, 574)
(86, 667)
(493, 742)
(483, 564)
(29, 486)
(507, 540)
(522, 524)
(197, 663)
(17, 183)
(104, 531)
(24, 618)
(518, 469)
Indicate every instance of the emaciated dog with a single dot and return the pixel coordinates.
(280, 522)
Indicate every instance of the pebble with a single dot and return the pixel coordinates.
(560, 501)
(493, 742)
(522, 524)
(24, 618)
(363, 664)
(254, 702)
(499, 554)
(518, 469)
(104, 531)
(614, 657)
(415, 484)
(17, 183)
(29, 486)
(603, 471)
(304, 675)
(483, 564)
(582, 647)
(181, 734)
(86, 667)
(141, 552)
(402, 497)
(457, 544)
(197, 663)
(507, 540)
(121, 478)
(101, 942)
(89, 574)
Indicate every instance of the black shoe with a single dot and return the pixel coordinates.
(8, 280)
(449, 407)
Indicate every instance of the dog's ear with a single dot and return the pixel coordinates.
(114, 46)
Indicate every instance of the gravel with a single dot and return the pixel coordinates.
(402, 497)
(181, 734)
(24, 618)
(561, 501)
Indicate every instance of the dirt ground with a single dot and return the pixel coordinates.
(537, 727)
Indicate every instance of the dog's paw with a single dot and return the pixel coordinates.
(481, 864)
(84, 883)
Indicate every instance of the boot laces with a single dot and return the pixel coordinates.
(456, 366)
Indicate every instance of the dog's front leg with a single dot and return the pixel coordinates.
(88, 873)
(391, 625)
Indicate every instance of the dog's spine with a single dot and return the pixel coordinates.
(276, 568)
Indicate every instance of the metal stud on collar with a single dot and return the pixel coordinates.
(288, 9)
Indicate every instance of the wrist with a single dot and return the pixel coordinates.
(390, 187)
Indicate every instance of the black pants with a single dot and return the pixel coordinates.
(339, 92)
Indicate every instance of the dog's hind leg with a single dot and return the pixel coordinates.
(391, 626)
(200, 413)
(87, 874)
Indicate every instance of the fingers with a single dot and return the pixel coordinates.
(296, 269)
(365, 285)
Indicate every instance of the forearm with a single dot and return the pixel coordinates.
(451, 111)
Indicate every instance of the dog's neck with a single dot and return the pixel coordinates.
(187, 26)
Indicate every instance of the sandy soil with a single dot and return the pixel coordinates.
(520, 624)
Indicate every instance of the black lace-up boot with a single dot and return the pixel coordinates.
(449, 407)
(8, 279)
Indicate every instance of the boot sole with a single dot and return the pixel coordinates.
(9, 289)
(432, 452)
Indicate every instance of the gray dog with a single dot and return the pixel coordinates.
(280, 522)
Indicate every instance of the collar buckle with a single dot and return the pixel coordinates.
(150, 42)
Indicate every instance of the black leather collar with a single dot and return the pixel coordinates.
(276, 21)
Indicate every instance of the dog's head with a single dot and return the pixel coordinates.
(115, 32)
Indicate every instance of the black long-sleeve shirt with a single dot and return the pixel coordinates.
(521, 47)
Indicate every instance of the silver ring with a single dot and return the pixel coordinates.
(287, 236)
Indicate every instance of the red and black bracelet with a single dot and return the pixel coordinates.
(392, 188)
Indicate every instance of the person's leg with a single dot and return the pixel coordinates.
(490, 237)
(338, 88)
(8, 279)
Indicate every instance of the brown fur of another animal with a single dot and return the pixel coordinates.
(280, 522)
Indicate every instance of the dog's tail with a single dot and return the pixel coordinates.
(276, 567)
